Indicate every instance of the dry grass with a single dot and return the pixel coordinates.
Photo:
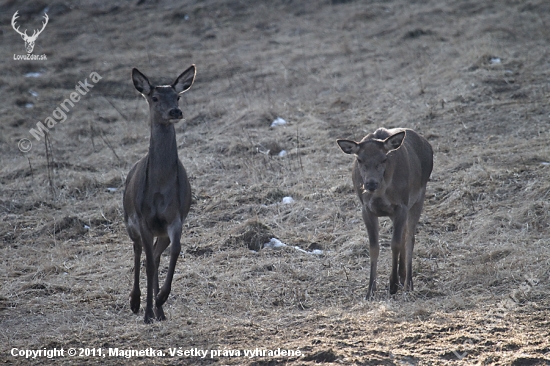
(332, 69)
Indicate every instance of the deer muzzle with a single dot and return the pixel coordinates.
(370, 186)
(175, 113)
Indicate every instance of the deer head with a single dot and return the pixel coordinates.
(371, 155)
(29, 41)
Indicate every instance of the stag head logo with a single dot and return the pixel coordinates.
(29, 41)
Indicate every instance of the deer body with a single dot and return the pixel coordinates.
(157, 193)
(390, 173)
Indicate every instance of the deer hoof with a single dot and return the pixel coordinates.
(160, 314)
(394, 284)
(134, 302)
(371, 291)
(149, 316)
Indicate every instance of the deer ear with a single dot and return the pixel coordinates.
(348, 146)
(141, 82)
(394, 141)
(185, 80)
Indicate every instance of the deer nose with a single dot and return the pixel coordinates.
(175, 113)
(371, 186)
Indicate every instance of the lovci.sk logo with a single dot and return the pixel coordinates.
(29, 40)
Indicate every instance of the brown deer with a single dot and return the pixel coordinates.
(390, 173)
(157, 195)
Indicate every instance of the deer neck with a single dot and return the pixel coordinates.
(163, 153)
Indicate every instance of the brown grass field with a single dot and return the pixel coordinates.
(471, 76)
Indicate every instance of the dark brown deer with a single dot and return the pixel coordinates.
(390, 173)
(157, 195)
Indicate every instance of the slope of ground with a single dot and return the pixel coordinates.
(471, 76)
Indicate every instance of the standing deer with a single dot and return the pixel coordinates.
(390, 173)
(29, 41)
(157, 195)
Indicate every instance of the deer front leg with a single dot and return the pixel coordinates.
(147, 240)
(397, 246)
(371, 222)
(403, 257)
(135, 295)
(414, 216)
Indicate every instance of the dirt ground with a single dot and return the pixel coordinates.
(471, 76)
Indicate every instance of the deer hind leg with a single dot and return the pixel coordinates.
(160, 245)
(174, 233)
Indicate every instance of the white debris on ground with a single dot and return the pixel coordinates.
(278, 122)
(494, 60)
(287, 200)
(315, 251)
(300, 250)
(275, 243)
(283, 153)
(33, 74)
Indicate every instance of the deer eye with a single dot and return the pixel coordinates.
(178, 97)
(155, 99)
